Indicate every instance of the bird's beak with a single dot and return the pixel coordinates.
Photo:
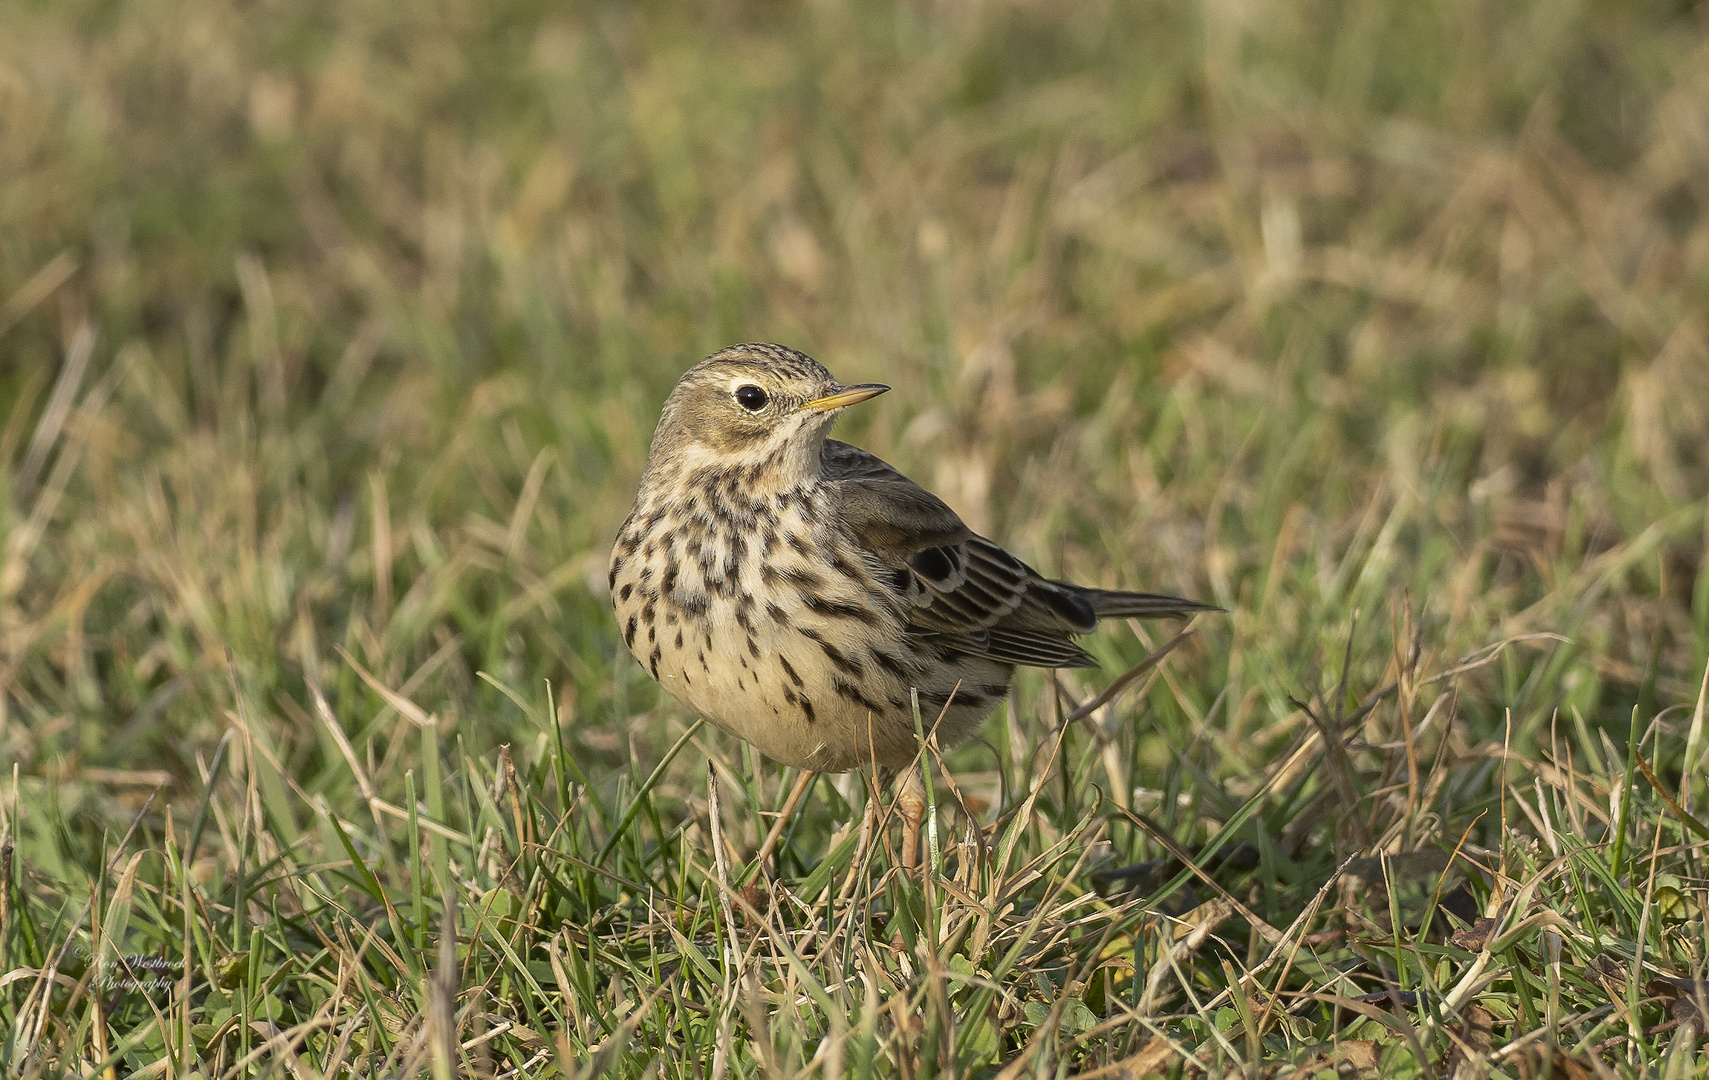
(848, 395)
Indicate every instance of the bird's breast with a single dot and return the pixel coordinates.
(767, 621)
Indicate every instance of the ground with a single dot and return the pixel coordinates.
(331, 340)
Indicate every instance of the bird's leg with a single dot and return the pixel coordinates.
(911, 804)
(795, 793)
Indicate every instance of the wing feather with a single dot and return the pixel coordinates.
(959, 589)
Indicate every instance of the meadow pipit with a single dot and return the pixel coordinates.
(793, 589)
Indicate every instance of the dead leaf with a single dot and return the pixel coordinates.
(1608, 970)
(1667, 986)
(1474, 937)
(1470, 1054)
(1550, 1063)
(756, 903)
(1346, 1058)
(1155, 1057)
(1360, 1054)
(1688, 1011)
(1687, 997)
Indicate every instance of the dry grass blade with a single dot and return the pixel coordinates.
(1312, 311)
(58, 408)
(40, 285)
(1126, 678)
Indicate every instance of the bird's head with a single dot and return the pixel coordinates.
(761, 409)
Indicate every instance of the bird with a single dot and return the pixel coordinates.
(802, 594)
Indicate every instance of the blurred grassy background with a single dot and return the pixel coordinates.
(1205, 297)
(344, 326)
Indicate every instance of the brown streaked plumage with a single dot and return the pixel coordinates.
(792, 589)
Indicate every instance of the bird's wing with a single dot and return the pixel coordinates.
(968, 592)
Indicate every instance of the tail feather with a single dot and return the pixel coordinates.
(1116, 604)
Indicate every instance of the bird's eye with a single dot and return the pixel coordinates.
(751, 398)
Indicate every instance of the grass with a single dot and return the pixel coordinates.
(331, 337)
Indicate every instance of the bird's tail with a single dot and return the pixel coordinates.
(1115, 604)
